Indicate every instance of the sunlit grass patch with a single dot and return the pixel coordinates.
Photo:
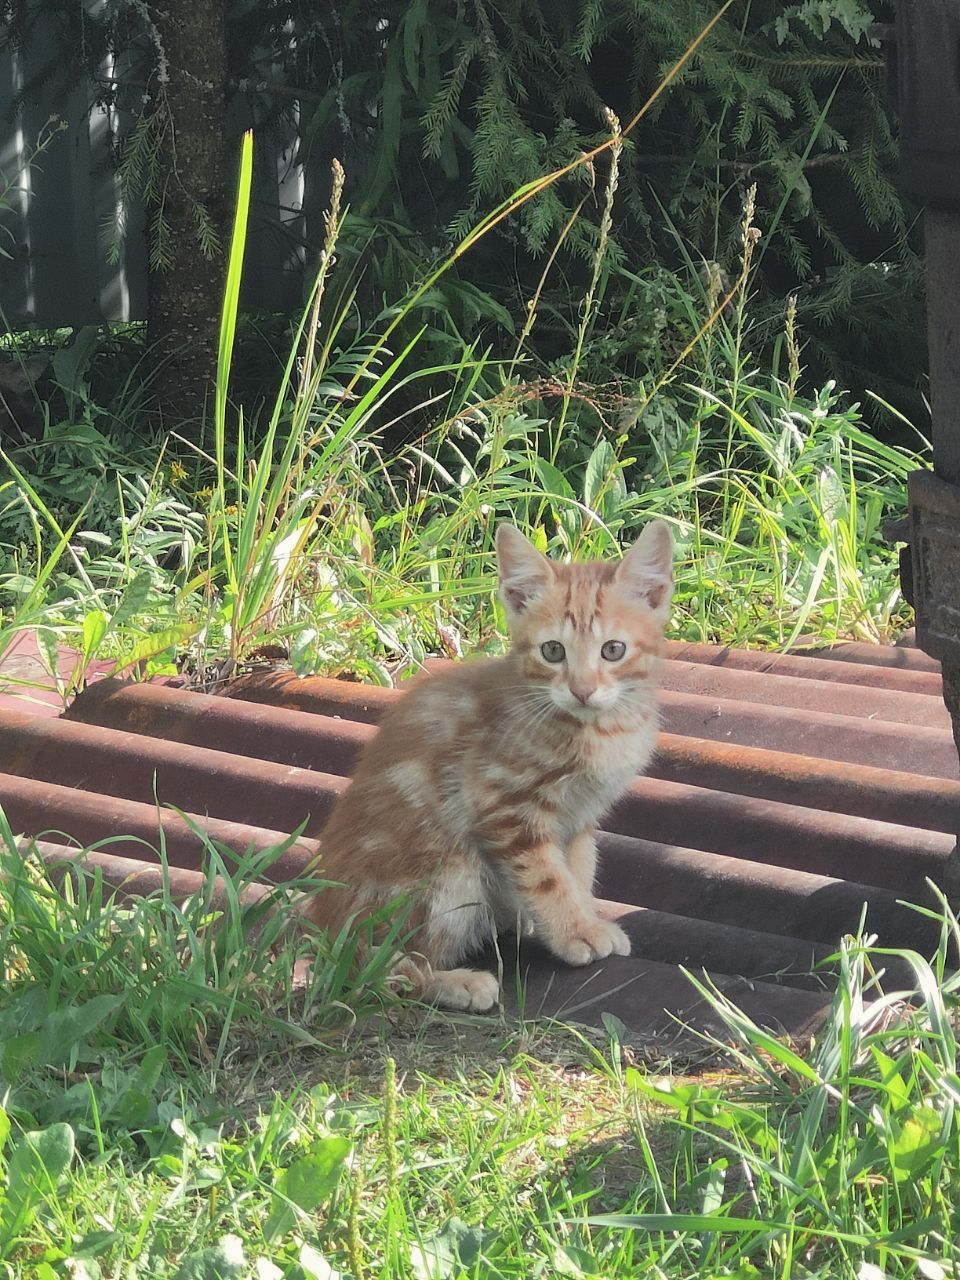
(351, 525)
(177, 1103)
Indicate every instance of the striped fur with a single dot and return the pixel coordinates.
(481, 792)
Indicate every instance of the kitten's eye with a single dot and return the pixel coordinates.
(613, 650)
(553, 651)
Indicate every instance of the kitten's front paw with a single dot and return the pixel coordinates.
(594, 940)
(465, 989)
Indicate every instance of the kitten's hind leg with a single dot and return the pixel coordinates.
(454, 920)
(468, 990)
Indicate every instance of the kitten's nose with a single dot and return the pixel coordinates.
(582, 692)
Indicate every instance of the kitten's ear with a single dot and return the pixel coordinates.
(646, 571)
(524, 572)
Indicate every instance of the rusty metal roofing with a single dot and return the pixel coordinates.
(26, 683)
(787, 792)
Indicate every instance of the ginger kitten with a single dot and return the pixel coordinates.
(482, 790)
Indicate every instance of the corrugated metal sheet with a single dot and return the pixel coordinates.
(27, 683)
(787, 793)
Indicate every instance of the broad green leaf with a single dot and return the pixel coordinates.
(159, 641)
(615, 1028)
(82, 1268)
(70, 365)
(316, 1266)
(133, 600)
(870, 1271)
(917, 1142)
(4, 1129)
(34, 1170)
(133, 1110)
(67, 1028)
(714, 1183)
(81, 434)
(95, 1244)
(538, 537)
(95, 625)
(574, 1263)
(553, 480)
(47, 644)
(891, 1079)
(157, 667)
(449, 1253)
(17, 1054)
(305, 1184)
(603, 484)
(224, 1261)
(151, 1067)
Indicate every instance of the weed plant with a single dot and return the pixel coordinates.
(353, 523)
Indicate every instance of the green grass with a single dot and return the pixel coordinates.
(352, 522)
(174, 1104)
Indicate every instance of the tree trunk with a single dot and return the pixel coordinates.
(184, 298)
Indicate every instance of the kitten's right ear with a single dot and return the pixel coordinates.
(524, 572)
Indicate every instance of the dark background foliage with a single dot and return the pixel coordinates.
(440, 110)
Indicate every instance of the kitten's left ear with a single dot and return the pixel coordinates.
(524, 572)
(646, 571)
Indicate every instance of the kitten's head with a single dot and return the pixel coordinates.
(590, 633)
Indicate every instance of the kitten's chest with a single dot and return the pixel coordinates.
(580, 789)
